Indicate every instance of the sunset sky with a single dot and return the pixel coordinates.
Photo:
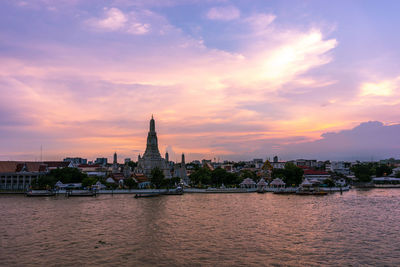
(234, 80)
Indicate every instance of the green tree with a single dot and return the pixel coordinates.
(44, 182)
(88, 181)
(248, 174)
(201, 176)
(363, 171)
(157, 177)
(231, 179)
(111, 185)
(278, 173)
(68, 175)
(130, 183)
(383, 170)
(170, 183)
(218, 176)
(329, 182)
(293, 174)
(132, 164)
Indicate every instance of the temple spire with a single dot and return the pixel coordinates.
(152, 124)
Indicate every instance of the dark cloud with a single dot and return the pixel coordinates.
(369, 140)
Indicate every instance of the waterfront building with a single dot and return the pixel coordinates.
(19, 175)
(277, 182)
(93, 170)
(248, 183)
(320, 176)
(152, 157)
(142, 180)
(262, 184)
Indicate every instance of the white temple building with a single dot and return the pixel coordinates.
(152, 157)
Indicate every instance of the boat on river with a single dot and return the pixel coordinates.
(81, 193)
(147, 195)
(317, 193)
(176, 191)
(310, 188)
(40, 193)
(286, 191)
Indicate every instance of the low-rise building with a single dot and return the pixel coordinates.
(19, 175)
(321, 176)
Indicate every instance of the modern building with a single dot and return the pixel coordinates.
(339, 167)
(310, 163)
(276, 164)
(76, 161)
(101, 161)
(258, 163)
(152, 157)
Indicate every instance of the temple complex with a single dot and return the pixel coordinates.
(180, 171)
(152, 157)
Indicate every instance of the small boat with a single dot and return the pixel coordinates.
(311, 192)
(176, 191)
(147, 195)
(81, 193)
(319, 193)
(40, 193)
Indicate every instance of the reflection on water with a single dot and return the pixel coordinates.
(356, 228)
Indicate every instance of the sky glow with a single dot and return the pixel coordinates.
(224, 79)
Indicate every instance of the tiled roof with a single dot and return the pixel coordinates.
(8, 166)
(118, 176)
(88, 166)
(315, 172)
(17, 166)
(140, 178)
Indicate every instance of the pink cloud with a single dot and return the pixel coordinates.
(224, 13)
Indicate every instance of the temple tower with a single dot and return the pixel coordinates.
(152, 157)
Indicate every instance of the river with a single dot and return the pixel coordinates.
(360, 227)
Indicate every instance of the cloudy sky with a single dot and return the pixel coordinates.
(224, 79)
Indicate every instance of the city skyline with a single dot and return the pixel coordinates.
(227, 79)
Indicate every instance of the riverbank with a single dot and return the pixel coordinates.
(193, 190)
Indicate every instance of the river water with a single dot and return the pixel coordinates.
(356, 228)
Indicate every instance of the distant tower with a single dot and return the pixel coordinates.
(115, 164)
(166, 157)
(276, 159)
(180, 171)
(115, 158)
